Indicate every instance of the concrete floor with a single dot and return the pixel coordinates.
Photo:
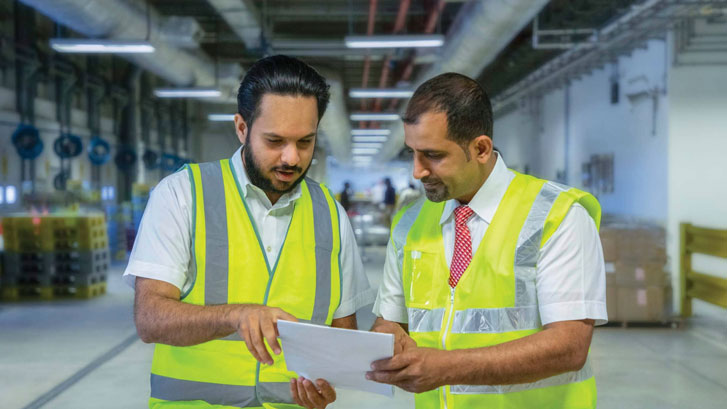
(85, 354)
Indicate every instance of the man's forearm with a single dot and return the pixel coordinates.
(541, 355)
(167, 321)
(382, 325)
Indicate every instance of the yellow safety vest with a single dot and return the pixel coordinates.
(231, 268)
(495, 300)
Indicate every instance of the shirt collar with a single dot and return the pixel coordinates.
(250, 191)
(488, 197)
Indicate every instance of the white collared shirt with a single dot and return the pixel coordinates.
(570, 277)
(162, 250)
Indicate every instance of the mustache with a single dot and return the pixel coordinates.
(431, 180)
(287, 168)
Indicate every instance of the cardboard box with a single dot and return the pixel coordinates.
(642, 304)
(638, 250)
(610, 247)
(640, 274)
(612, 302)
(633, 242)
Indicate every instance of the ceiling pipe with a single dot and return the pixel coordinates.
(480, 32)
(367, 60)
(432, 19)
(126, 20)
(386, 68)
(243, 18)
(335, 127)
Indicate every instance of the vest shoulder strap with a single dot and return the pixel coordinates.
(403, 221)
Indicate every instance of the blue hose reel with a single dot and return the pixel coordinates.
(99, 151)
(125, 159)
(170, 162)
(27, 141)
(151, 159)
(68, 146)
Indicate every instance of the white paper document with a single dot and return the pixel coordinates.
(340, 356)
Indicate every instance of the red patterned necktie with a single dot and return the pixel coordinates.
(462, 244)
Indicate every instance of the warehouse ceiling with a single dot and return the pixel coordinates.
(238, 32)
(519, 58)
(309, 29)
(314, 30)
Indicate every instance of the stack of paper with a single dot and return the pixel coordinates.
(340, 356)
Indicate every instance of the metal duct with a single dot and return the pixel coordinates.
(243, 18)
(482, 29)
(126, 20)
(335, 126)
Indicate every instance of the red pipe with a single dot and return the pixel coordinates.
(398, 26)
(367, 60)
(428, 29)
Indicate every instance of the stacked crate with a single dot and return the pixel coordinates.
(52, 256)
(637, 287)
(119, 221)
(81, 256)
(27, 266)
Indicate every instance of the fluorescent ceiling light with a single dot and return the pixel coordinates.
(187, 92)
(363, 158)
(376, 145)
(380, 93)
(364, 151)
(370, 139)
(88, 45)
(370, 132)
(395, 41)
(373, 116)
(221, 117)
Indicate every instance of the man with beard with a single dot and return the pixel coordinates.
(228, 248)
(492, 286)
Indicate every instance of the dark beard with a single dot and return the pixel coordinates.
(256, 177)
(439, 194)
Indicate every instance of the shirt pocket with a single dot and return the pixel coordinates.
(419, 271)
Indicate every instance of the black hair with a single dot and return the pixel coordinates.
(279, 75)
(468, 108)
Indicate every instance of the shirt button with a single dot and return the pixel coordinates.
(269, 249)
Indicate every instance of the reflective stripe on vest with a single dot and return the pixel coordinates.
(172, 389)
(218, 207)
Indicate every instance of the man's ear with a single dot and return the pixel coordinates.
(241, 128)
(483, 148)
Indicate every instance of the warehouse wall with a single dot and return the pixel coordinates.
(553, 135)
(697, 176)
(48, 163)
(667, 135)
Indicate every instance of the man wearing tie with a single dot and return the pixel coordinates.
(493, 285)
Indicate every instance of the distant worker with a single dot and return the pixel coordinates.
(228, 248)
(346, 194)
(389, 200)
